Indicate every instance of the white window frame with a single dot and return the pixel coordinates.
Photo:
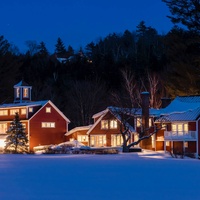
(14, 111)
(113, 124)
(48, 109)
(104, 124)
(3, 112)
(48, 125)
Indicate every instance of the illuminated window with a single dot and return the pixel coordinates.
(25, 92)
(30, 109)
(98, 140)
(48, 124)
(3, 112)
(3, 128)
(82, 138)
(113, 124)
(167, 143)
(48, 109)
(150, 122)
(116, 140)
(104, 124)
(24, 125)
(138, 122)
(23, 111)
(17, 92)
(14, 111)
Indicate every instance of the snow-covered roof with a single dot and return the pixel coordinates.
(189, 115)
(80, 128)
(183, 108)
(182, 104)
(34, 103)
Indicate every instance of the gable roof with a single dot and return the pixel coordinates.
(114, 111)
(54, 108)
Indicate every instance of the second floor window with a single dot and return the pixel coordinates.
(14, 111)
(179, 127)
(104, 124)
(23, 111)
(113, 124)
(48, 124)
(3, 112)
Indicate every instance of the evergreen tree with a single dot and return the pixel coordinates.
(42, 49)
(60, 48)
(16, 140)
(186, 12)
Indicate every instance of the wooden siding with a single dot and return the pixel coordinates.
(47, 136)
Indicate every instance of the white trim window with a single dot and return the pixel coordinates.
(113, 124)
(82, 138)
(104, 124)
(14, 111)
(3, 112)
(48, 124)
(48, 109)
(23, 111)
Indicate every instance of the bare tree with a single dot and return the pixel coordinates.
(128, 112)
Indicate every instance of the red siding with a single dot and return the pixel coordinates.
(46, 136)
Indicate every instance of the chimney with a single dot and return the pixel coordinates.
(146, 144)
(165, 102)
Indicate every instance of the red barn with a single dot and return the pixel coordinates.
(44, 123)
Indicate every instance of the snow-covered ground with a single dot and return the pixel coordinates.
(147, 175)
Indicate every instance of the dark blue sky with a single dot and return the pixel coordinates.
(77, 22)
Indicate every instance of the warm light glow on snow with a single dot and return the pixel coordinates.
(2, 144)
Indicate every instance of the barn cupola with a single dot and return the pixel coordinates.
(22, 92)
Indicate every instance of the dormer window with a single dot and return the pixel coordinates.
(25, 92)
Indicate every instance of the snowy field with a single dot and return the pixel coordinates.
(148, 175)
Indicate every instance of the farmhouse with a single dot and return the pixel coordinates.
(44, 123)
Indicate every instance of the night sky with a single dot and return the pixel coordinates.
(77, 22)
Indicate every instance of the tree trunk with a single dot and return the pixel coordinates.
(125, 149)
